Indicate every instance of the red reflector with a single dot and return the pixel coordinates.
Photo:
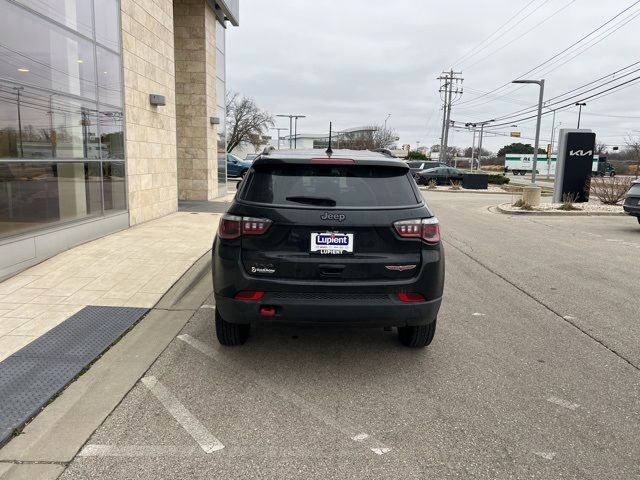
(411, 297)
(249, 295)
(332, 160)
(267, 311)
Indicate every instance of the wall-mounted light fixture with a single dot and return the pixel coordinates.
(214, 120)
(157, 100)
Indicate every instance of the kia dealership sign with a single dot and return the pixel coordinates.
(575, 162)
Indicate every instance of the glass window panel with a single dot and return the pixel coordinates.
(220, 66)
(39, 194)
(113, 184)
(222, 151)
(36, 52)
(220, 92)
(220, 37)
(111, 133)
(75, 14)
(109, 85)
(52, 126)
(107, 27)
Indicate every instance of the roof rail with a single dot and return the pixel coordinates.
(268, 149)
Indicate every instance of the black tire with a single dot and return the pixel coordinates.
(638, 218)
(418, 336)
(612, 174)
(231, 334)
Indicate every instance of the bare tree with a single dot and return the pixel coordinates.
(245, 121)
(369, 138)
(633, 144)
(601, 148)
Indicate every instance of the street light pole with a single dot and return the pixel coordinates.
(278, 130)
(18, 90)
(540, 83)
(482, 124)
(291, 117)
(385, 121)
(580, 105)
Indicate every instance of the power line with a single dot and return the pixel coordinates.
(521, 35)
(584, 37)
(470, 52)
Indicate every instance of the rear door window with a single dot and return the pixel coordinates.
(634, 190)
(330, 185)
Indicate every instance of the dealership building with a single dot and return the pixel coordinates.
(111, 111)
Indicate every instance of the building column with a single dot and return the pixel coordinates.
(195, 60)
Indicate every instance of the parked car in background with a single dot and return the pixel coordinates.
(632, 200)
(236, 167)
(418, 165)
(441, 175)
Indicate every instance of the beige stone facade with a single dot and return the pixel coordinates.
(195, 26)
(148, 61)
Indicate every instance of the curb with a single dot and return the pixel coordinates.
(556, 213)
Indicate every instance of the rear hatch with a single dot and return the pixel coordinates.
(331, 222)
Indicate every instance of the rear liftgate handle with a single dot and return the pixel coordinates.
(331, 270)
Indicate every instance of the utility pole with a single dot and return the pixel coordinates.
(385, 121)
(278, 129)
(451, 86)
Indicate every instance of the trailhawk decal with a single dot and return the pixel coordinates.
(400, 268)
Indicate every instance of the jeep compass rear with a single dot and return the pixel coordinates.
(315, 239)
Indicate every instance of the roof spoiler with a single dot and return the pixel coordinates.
(385, 151)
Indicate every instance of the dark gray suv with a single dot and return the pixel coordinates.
(317, 239)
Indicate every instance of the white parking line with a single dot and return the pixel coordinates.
(563, 403)
(354, 432)
(94, 450)
(191, 424)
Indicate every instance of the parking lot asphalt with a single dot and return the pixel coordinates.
(533, 373)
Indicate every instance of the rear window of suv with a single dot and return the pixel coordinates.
(634, 190)
(330, 185)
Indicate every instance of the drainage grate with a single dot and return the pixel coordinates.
(37, 372)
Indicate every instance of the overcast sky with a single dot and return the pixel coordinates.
(355, 61)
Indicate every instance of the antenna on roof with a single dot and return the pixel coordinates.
(329, 150)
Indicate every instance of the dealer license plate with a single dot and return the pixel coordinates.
(331, 243)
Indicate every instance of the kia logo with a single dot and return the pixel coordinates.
(581, 153)
(333, 216)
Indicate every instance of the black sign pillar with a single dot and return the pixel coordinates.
(575, 161)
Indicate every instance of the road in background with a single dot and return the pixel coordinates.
(533, 373)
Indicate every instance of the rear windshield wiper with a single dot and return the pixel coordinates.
(325, 202)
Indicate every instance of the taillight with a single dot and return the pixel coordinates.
(411, 297)
(428, 229)
(229, 226)
(249, 295)
(232, 226)
(255, 226)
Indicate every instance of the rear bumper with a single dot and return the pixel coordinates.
(632, 210)
(366, 310)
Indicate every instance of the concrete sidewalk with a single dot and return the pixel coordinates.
(131, 268)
